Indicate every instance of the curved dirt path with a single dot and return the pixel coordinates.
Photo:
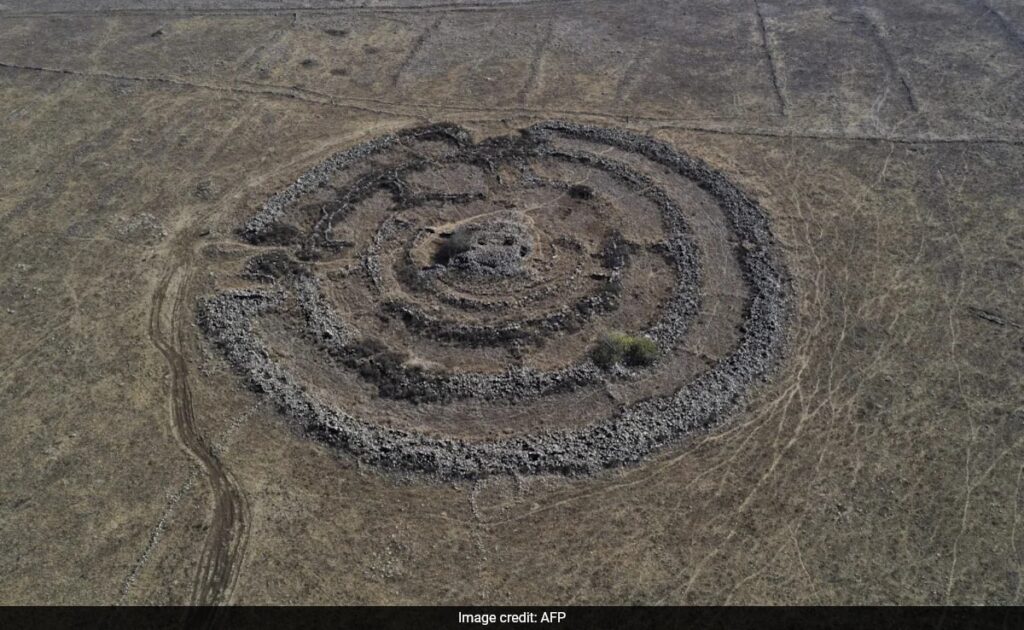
(228, 534)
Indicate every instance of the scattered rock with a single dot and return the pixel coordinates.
(139, 229)
(204, 190)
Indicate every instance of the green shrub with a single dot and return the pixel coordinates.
(641, 351)
(609, 350)
(617, 347)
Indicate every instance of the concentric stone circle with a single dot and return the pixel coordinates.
(422, 271)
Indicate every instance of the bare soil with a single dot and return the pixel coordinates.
(880, 462)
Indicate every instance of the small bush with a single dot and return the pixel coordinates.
(641, 351)
(616, 347)
(608, 351)
(579, 191)
(276, 234)
(268, 267)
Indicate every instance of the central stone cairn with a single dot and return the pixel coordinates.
(429, 303)
(488, 248)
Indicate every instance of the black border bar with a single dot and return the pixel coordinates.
(551, 617)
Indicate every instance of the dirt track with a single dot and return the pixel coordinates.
(224, 548)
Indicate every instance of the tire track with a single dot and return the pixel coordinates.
(447, 7)
(773, 71)
(414, 50)
(878, 36)
(465, 113)
(535, 62)
(228, 535)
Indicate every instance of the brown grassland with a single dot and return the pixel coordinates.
(882, 462)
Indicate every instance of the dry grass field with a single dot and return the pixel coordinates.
(879, 461)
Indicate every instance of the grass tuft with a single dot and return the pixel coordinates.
(617, 347)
